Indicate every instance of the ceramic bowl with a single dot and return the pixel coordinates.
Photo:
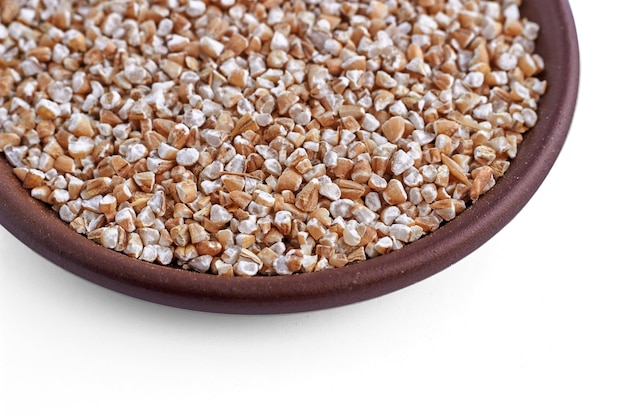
(37, 226)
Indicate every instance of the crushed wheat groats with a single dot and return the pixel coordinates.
(249, 138)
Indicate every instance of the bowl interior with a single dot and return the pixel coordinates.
(38, 226)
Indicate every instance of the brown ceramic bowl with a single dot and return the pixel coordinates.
(38, 226)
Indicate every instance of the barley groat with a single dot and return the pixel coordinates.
(245, 138)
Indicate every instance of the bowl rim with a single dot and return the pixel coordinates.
(38, 227)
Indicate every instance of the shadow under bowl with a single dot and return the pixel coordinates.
(39, 227)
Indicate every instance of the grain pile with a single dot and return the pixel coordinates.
(263, 137)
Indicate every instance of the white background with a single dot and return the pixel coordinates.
(531, 324)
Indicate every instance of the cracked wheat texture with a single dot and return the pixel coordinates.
(263, 137)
